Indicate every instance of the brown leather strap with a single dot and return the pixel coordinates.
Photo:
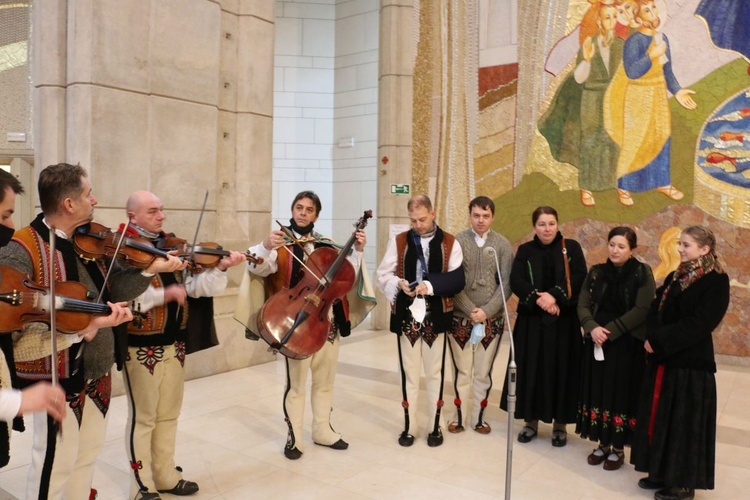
(567, 268)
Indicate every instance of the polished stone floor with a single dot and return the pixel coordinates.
(231, 435)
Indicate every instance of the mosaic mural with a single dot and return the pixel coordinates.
(645, 121)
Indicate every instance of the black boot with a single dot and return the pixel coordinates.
(405, 439)
(435, 438)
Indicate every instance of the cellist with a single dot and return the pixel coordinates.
(282, 268)
(63, 467)
(154, 368)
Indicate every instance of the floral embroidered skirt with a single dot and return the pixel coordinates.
(609, 391)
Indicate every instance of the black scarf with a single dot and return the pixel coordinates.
(302, 231)
(617, 286)
(549, 260)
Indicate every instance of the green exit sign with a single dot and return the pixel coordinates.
(400, 188)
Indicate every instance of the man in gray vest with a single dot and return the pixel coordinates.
(479, 309)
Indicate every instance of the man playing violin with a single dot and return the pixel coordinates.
(41, 396)
(62, 463)
(154, 367)
(281, 267)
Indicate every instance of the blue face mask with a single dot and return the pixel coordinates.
(477, 333)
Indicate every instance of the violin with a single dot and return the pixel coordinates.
(203, 255)
(294, 321)
(95, 241)
(24, 301)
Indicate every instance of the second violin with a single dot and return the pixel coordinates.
(203, 255)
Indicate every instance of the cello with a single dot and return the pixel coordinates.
(295, 321)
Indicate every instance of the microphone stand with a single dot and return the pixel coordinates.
(512, 370)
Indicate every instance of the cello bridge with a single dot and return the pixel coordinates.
(314, 299)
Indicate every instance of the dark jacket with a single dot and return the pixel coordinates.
(680, 334)
(527, 277)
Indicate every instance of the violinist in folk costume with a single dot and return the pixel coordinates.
(38, 397)
(478, 315)
(62, 463)
(282, 267)
(154, 365)
(420, 273)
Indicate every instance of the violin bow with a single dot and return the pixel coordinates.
(77, 363)
(191, 255)
(197, 228)
(52, 316)
(112, 264)
(291, 236)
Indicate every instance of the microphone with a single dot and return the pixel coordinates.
(512, 370)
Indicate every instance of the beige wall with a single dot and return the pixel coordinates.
(173, 96)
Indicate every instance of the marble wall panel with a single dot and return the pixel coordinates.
(318, 37)
(185, 50)
(254, 162)
(395, 39)
(255, 66)
(394, 121)
(230, 6)
(230, 26)
(120, 161)
(263, 9)
(49, 35)
(49, 125)
(183, 151)
(119, 44)
(256, 225)
(78, 124)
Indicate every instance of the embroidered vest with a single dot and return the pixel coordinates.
(162, 325)
(41, 369)
(440, 308)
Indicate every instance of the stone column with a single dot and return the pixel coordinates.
(48, 70)
(395, 95)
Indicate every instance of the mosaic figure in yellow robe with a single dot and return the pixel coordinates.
(636, 108)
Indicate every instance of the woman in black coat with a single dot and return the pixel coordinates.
(675, 439)
(547, 275)
(612, 307)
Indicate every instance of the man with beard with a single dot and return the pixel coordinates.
(420, 273)
(282, 267)
(62, 464)
(636, 108)
(41, 396)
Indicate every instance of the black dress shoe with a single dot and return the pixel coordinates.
(292, 453)
(405, 439)
(650, 484)
(338, 445)
(147, 495)
(435, 438)
(526, 434)
(559, 438)
(182, 489)
(675, 493)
